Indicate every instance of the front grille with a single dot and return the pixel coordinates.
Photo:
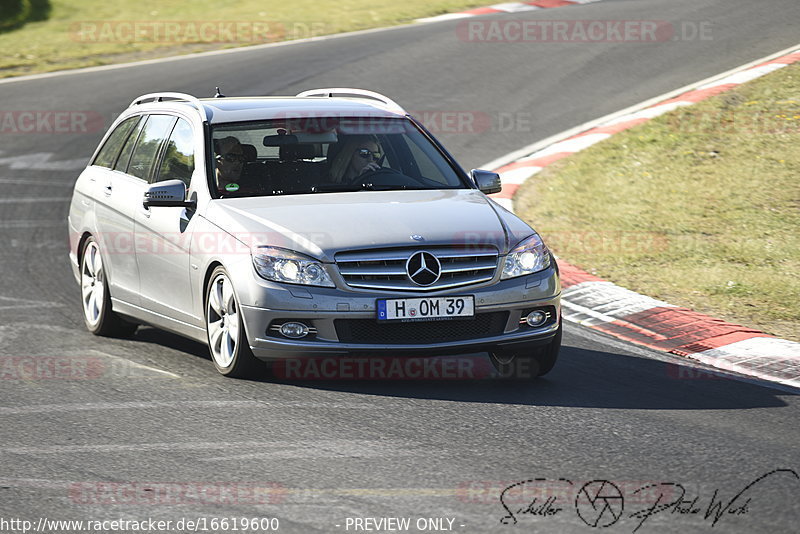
(385, 269)
(415, 333)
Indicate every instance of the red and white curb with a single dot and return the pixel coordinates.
(604, 306)
(508, 7)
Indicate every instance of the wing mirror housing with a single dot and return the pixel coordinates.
(488, 182)
(168, 194)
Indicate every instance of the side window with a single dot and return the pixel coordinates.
(107, 154)
(125, 154)
(178, 162)
(153, 135)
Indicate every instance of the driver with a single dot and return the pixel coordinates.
(358, 155)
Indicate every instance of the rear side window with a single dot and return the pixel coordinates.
(150, 140)
(108, 154)
(178, 162)
(125, 156)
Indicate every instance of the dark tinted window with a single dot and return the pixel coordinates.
(125, 154)
(153, 135)
(178, 162)
(108, 154)
(326, 154)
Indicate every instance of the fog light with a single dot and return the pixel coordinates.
(293, 330)
(536, 318)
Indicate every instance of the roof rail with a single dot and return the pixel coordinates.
(349, 91)
(159, 97)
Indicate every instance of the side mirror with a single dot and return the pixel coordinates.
(169, 193)
(488, 182)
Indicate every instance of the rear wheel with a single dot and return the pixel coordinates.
(227, 341)
(98, 316)
(539, 362)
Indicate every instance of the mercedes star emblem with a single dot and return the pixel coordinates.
(423, 268)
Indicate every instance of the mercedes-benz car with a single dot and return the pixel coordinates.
(324, 224)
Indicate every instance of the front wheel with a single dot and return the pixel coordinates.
(528, 366)
(227, 341)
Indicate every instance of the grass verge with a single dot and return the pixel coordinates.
(83, 33)
(699, 207)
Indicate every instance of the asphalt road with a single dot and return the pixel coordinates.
(152, 412)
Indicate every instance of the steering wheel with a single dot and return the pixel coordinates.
(384, 172)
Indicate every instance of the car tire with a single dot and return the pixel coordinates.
(98, 316)
(227, 341)
(528, 366)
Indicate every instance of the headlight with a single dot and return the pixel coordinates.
(281, 265)
(530, 256)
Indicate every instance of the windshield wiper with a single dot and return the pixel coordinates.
(334, 188)
(395, 187)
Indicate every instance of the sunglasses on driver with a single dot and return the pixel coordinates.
(366, 153)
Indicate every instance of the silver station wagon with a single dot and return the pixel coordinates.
(330, 223)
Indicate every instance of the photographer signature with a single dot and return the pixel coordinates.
(601, 503)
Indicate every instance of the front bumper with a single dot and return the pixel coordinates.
(507, 300)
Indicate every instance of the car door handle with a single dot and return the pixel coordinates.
(107, 189)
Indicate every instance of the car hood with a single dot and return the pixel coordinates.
(322, 224)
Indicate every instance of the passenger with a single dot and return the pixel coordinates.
(359, 154)
(230, 160)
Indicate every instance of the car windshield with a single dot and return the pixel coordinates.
(324, 155)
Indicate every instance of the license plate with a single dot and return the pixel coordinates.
(425, 308)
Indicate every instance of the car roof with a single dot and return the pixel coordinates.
(241, 109)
